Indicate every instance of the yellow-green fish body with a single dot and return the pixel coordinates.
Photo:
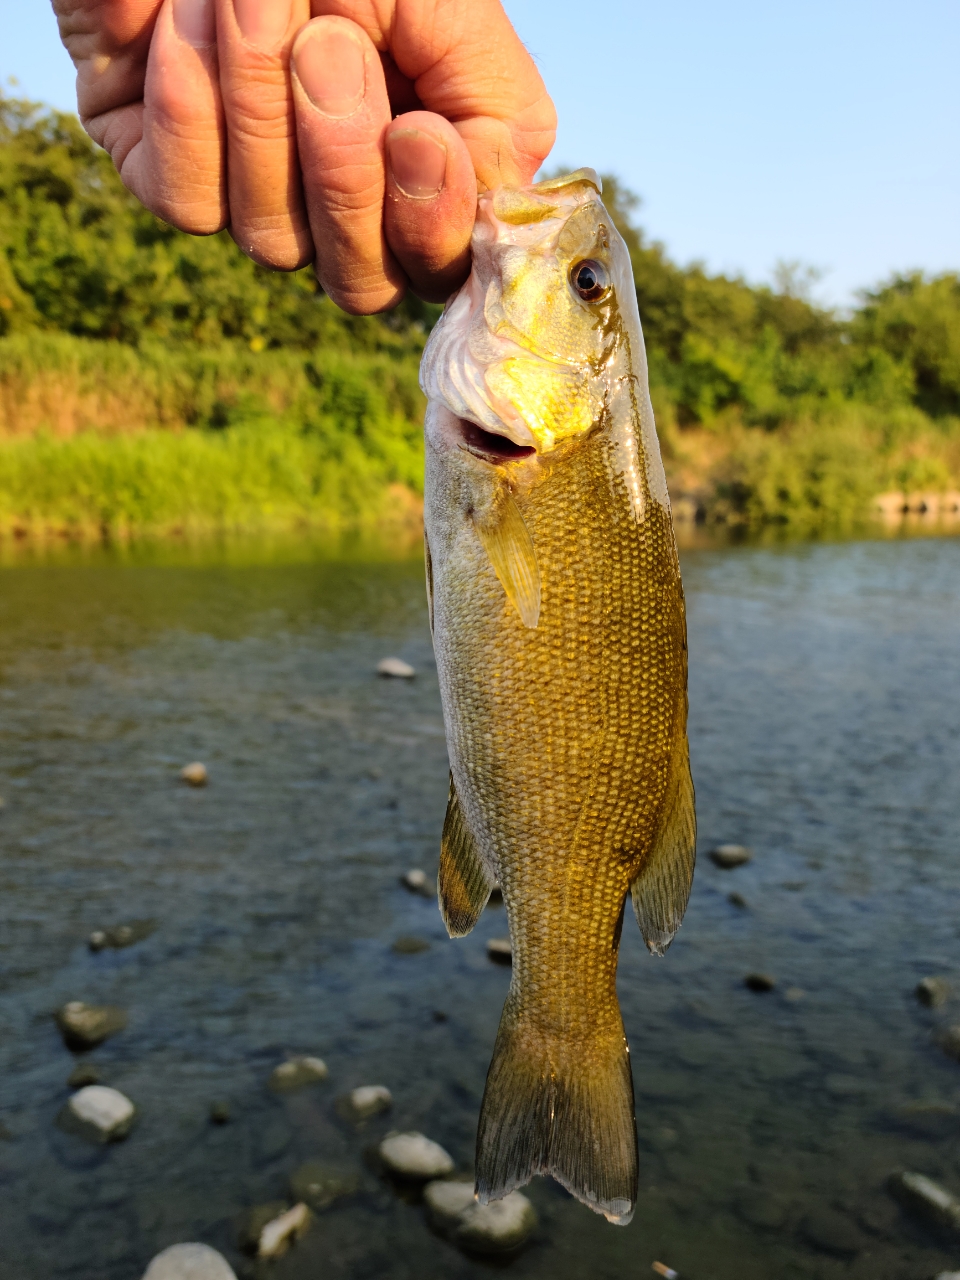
(559, 629)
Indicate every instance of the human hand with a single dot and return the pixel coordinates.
(275, 118)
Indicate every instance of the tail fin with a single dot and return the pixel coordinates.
(565, 1111)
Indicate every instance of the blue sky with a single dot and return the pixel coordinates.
(827, 133)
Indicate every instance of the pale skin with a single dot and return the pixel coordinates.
(353, 134)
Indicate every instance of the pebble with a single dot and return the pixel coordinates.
(220, 1113)
(278, 1235)
(737, 900)
(367, 1100)
(255, 1219)
(85, 1025)
(480, 1228)
(948, 1275)
(728, 856)
(297, 1072)
(500, 951)
(82, 1074)
(100, 1113)
(195, 774)
(318, 1185)
(189, 1262)
(410, 946)
(950, 1042)
(123, 935)
(932, 992)
(411, 1155)
(926, 1198)
(395, 667)
(759, 982)
(418, 881)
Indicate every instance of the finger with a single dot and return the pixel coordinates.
(467, 64)
(177, 169)
(342, 112)
(267, 214)
(431, 203)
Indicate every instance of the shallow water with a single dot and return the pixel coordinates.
(825, 731)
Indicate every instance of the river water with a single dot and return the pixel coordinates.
(825, 732)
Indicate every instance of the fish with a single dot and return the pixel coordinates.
(559, 630)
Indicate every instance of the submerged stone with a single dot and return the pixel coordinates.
(418, 881)
(927, 1199)
(121, 935)
(366, 1101)
(195, 774)
(319, 1186)
(498, 1227)
(189, 1262)
(99, 1114)
(254, 1219)
(297, 1072)
(759, 982)
(277, 1235)
(950, 1042)
(85, 1025)
(500, 951)
(932, 992)
(410, 946)
(411, 1155)
(219, 1113)
(728, 856)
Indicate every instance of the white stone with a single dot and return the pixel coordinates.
(411, 1155)
(105, 1110)
(189, 1262)
(278, 1235)
(498, 1226)
(446, 1200)
(395, 667)
(729, 856)
(500, 950)
(949, 1275)
(370, 1099)
(195, 774)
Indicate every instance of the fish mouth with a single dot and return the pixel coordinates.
(490, 447)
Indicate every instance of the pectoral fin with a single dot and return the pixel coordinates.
(464, 884)
(506, 540)
(661, 890)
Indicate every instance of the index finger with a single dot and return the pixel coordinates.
(464, 61)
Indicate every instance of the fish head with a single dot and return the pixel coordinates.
(530, 346)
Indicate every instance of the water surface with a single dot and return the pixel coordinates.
(825, 732)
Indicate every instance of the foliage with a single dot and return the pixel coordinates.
(236, 394)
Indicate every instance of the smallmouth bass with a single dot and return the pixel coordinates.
(560, 636)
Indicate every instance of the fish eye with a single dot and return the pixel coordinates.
(590, 279)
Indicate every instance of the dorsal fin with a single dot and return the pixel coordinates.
(661, 890)
(506, 540)
(464, 884)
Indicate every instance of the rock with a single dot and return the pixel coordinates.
(948, 1275)
(950, 1042)
(99, 1113)
(489, 1228)
(418, 881)
(219, 1113)
(189, 1262)
(931, 1119)
(395, 667)
(500, 951)
(932, 992)
(728, 856)
(759, 982)
(411, 1155)
(253, 1221)
(83, 1073)
(280, 1233)
(410, 946)
(123, 935)
(737, 900)
(366, 1101)
(926, 1198)
(195, 774)
(84, 1025)
(297, 1072)
(318, 1185)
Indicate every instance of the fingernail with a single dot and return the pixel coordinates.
(329, 64)
(263, 22)
(418, 163)
(195, 22)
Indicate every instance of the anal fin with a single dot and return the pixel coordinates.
(506, 540)
(662, 889)
(464, 883)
